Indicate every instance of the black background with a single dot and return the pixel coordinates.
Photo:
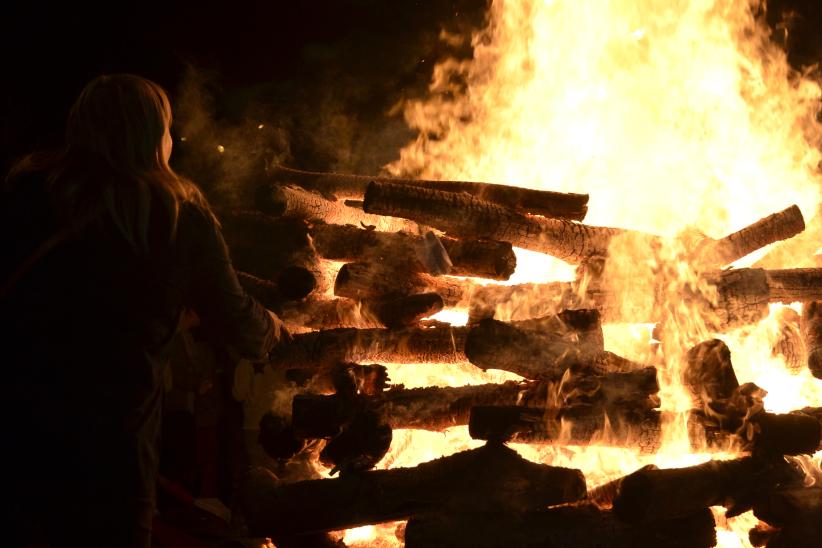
(294, 57)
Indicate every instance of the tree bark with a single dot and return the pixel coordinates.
(491, 478)
(709, 374)
(298, 203)
(432, 408)
(559, 205)
(474, 258)
(323, 349)
(651, 494)
(577, 526)
(538, 349)
(572, 425)
(773, 228)
(377, 281)
(811, 329)
(463, 215)
(403, 311)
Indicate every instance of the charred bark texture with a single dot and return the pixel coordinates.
(651, 494)
(577, 526)
(709, 374)
(378, 281)
(431, 408)
(539, 202)
(298, 203)
(323, 349)
(538, 349)
(572, 425)
(469, 257)
(773, 228)
(464, 215)
(811, 329)
(492, 478)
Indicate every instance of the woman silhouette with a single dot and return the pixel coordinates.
(104, 247)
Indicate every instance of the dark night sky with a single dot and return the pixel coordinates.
(365, 54)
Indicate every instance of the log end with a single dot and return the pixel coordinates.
(270, 199)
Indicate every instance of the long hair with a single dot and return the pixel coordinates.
(113, 164)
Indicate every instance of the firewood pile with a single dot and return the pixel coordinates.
(411, 248)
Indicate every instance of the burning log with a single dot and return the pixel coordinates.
(778, 226)
(476, 258)
(375, 281)
(464, 215)
(709, 374)
(811, 329)
(438, 408)
(764, 433)
(790, 505)
(797, 252)
(320, 313)
(430, 408)
(538, 349)
(539, 202)
(523, 301)
(742, 296)
(652, 494)
(793, 515)
(790, 343)
(579, 525)
(571, 425)
(298, 203)
(292, 284)
(324, 349)
(403, 311)
(491, 478)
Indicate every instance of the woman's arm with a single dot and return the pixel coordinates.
(215, 293)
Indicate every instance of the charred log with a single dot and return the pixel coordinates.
(403, 311)
(790, 343)
(319, 313)
(377, 281)
(430, 408)
(463, 215)
(491, 478)
(538, 349)
(476, 258)
(298, 203)
(324, 349)
(709, 374)
(651, 494)
(572, 425)
(811, 329)
(580, 526)
(773, 228)
(539, 202)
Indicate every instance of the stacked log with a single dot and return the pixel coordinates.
(488, 479)
(469, 257)
(397, 272)
(464, 215)
(538, 202)
(578, 525)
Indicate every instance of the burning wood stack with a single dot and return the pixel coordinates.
(411, 248)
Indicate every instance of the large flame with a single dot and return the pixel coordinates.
(672, 115)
